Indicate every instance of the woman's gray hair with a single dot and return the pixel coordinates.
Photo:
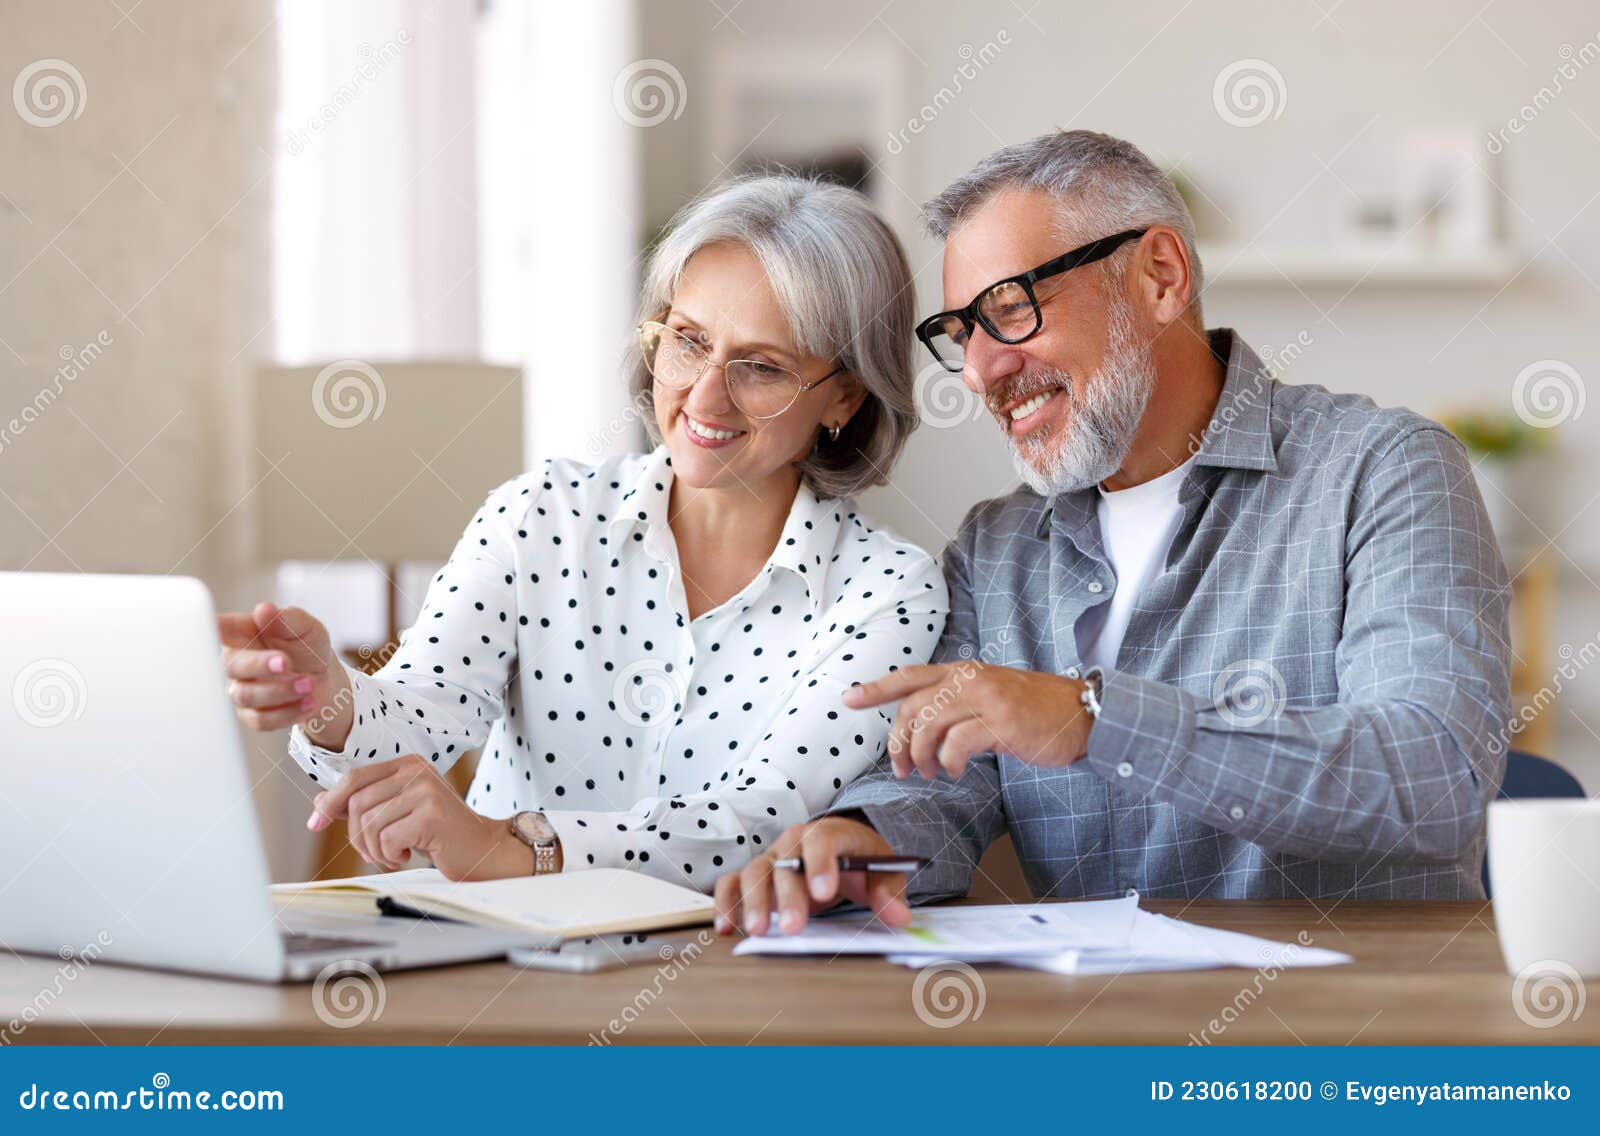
(845, 286)
(1105, 185)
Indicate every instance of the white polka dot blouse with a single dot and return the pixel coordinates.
(557, 639)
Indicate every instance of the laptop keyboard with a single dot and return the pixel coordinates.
(300, 943)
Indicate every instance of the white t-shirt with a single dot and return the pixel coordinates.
(1137, 525)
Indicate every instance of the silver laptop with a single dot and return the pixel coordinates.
(127, 829)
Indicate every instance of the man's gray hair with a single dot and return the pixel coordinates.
(844, 284)
(1105, 185)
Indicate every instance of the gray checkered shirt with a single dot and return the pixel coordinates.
(1305, 702)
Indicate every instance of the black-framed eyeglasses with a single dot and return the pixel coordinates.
(760, 390)
(1008, 309)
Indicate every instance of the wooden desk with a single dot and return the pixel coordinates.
(1424, 973)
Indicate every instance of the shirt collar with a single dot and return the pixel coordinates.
(1239, 435)
(643, 504)
(805, 547)
(810, 535)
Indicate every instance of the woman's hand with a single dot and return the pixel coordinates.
(283, 673)
(393, 807)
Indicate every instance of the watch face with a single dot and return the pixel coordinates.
(535, 828)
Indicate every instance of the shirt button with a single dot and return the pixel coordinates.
(1072, 672)
(1126, 770)
(1236, 813)
(1096, 587)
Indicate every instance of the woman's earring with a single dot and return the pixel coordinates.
(833, 433)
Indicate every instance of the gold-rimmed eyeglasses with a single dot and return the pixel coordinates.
(760, 390)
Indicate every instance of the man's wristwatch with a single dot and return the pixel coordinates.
(1093, 683)
(536, 831)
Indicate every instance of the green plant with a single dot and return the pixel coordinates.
(1499, 435)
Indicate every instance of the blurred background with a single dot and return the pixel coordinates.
(286, 286)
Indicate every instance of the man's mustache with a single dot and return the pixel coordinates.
(1026, 385)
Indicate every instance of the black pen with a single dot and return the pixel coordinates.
(860, 864)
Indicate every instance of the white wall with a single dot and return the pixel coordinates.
(1354, 82)
(376, 181)
(134, 464)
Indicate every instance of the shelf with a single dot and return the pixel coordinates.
(1356, 264)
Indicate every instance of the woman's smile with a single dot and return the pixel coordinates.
(709, 435)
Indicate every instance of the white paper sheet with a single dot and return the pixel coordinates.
(1159, 943)
(990, 932)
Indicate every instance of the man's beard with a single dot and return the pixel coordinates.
(1100, 426)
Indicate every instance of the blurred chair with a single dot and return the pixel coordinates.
(383, 463)
(1531, 776)
(998, 876)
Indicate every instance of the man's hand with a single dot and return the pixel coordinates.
(395, 806)
(748, 898)
(951, 711)
(283, 672)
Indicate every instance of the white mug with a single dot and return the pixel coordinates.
(1544, 869)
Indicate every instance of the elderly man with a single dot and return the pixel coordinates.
(1233, 639)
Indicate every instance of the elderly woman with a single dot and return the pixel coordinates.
(650, 652)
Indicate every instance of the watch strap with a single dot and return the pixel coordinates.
(545, 848)
(1093, 684)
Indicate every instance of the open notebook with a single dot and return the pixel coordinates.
(566, 905)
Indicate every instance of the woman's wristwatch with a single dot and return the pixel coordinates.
(536, 831)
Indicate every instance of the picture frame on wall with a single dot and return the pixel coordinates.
(1446, 197)
(839, 111)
